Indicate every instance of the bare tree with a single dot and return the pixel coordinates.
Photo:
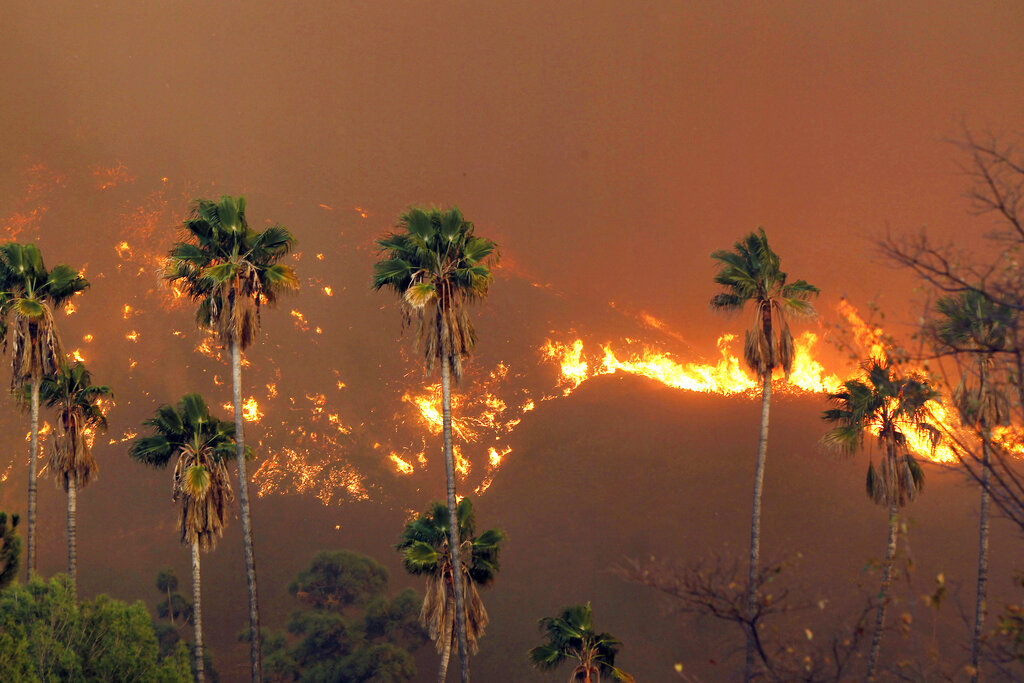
(718, 589)
(973, 327)
(994, 275)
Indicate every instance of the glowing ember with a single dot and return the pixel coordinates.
(132, 336)
(328, 291)
(300, 320)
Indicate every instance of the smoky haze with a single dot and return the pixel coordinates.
(607, 148)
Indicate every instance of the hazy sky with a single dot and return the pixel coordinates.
(609, 147)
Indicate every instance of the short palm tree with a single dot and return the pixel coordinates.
(971, 324)
(751, 273)
(437, 266)
(571, 637)
(888, 405)
(232, 271)
(174, 605)
(70, 390)
(424, 548)
(202, 486)
(30, 295)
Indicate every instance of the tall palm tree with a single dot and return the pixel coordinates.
(202, 486)
(232, 271)
(888, 405)
(30, 295)
(972, 324)
(571, 636)
(437, 266)
(424, 548)
(751, 273)
(70, 390)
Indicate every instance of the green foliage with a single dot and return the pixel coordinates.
(437, 265)
(571, 636)
(29, 296)
(350, 630)
(889, 405)
(229, 269)
(339, 579)
(201, 483)
(70, 390)
(751, 273)
(424, 548)
(10, 549)
(46, 635)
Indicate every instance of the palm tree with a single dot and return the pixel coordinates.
(571, 636)
(750, 273)
(887, 405)
(972, 324)
(30, 295)
(202, 486)
(70, 390)
(175, 604)
(232, 271)
(437, 265)
(424, 548)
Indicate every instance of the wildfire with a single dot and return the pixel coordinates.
(250, 409)
(401, 466)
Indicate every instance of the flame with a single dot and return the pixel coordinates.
(77, 356)
(132, 336)
(574, 370)
(867, 337)
(328, 291)
(250, 409)
(401, 466)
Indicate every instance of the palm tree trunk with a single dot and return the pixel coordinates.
(197, 613)
(755, 525)
(453, 517)
(33, 470)
(446, 653)
(243, 506)
(980, 606)
(883, 593)
(72, 536)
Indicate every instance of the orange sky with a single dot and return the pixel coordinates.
(609, 147)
